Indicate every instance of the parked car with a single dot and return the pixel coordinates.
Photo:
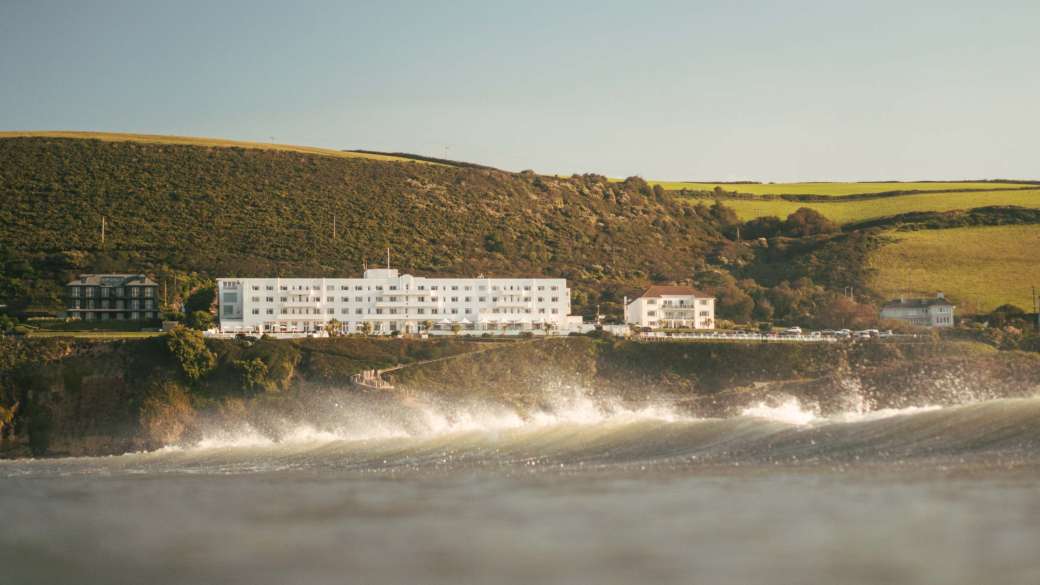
(793, 331)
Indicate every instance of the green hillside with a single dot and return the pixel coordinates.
(979, 267)
(842, 210)
(177, 209)
(839, 189)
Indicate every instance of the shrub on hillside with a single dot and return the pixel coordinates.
(189, 348)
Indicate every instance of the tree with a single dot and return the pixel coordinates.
(426, 326)
(455, 328)
(252, 374)
(734, 304)
(807, 222)
(763, 309)
(762, 227)
(200, 320)
(366, 328)
(189, 348)
(333, 327)
(200, 300)
(840, 312)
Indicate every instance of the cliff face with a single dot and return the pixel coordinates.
(719, 379)
(64, 397)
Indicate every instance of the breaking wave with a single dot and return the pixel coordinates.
(582, 432)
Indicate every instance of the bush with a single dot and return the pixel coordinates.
(189, 349)
(200, 320)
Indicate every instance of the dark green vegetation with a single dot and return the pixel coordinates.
(187, 213)
(65, 396)
(200, 212)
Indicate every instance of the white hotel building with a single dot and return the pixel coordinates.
(389, 301)
(671, 307)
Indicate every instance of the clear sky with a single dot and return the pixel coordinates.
(782, 90)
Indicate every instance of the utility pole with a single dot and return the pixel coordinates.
(388, 258)
(333, 227)
(102, 231)
(1036, 308)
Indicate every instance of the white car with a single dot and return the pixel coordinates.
(793, 331)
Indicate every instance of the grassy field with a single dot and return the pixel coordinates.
(837, 189)
(976, 266)
(96, 334)
(859, 210)
(197, 141)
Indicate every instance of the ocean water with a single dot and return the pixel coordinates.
(582, 491)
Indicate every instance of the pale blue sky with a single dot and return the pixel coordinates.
(783, 90)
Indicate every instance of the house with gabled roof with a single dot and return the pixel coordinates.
(671, 307)
(933, 312)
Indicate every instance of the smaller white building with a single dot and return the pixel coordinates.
(935, 312)
(672, 307)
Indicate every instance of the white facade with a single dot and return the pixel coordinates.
(671, 307)
(937, 312)
(388, 301)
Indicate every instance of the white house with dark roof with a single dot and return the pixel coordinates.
(933, 312)
(671, 307)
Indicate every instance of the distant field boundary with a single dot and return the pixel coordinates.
(811, 198)
(935, 220)
(206, 142)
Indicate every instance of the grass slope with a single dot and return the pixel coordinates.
(248, 212)
(976, 265)
(840, 189)
(859, 210)
(209, 142)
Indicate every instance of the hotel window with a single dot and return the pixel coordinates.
(345, 311)
(556, 299)
(527, 288)
(357, 299)
(554, 311)
(331, 311)
(358, 312)
(454, 299)
(269, 299)
(651, 301)
(527, 299)
(541, 311)
(482, 299)
(433, 311)
(75, 291)
(256, 299)
(393, 287)
(434, 287)
(541, 288)
(358, 287)
(283, 287)
(285, 311)
(703, 301)
(256, 287)
(270, 311)
(284, 299)
(344, 299)
(330, 299)
(379, 311)
(393, 299)
(469, 299)
(421, 311)
(379, 287)
(454, 288)
(256, 311)
(554, 287)
(469, 288)
(454, 311)
(422, 287)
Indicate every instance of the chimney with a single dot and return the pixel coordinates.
(940, 296)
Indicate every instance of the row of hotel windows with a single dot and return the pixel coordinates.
(654, 314)
(103, 292)
(111, 304)
(676, 303)
(299, 298)
(418, 311)
(133, 316)
(330, 288)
